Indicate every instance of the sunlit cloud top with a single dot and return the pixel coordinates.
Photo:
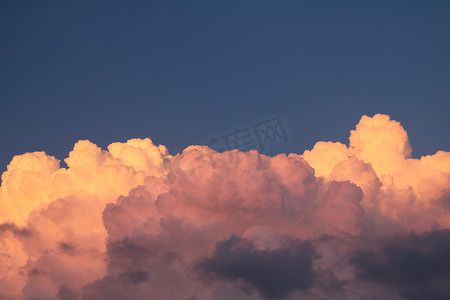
(356, 221)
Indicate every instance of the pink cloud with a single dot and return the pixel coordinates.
(135, 222)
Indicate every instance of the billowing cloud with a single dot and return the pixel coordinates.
(363, 221)
(418, 265)
(274, 273)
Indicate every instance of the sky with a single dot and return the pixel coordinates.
(182, 73)
(237, 150)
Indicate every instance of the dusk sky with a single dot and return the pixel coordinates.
(182, 72)
(224, 150)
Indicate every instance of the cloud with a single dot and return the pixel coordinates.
(416, 264)
(63, 209)
(274, 273)
(362, 221)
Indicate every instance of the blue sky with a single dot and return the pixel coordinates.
(182, 72)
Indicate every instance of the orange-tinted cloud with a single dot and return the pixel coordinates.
(134, 222)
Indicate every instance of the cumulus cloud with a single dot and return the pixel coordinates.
(363, 221)
(274, 273)
(61, 210)
(418, 265)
